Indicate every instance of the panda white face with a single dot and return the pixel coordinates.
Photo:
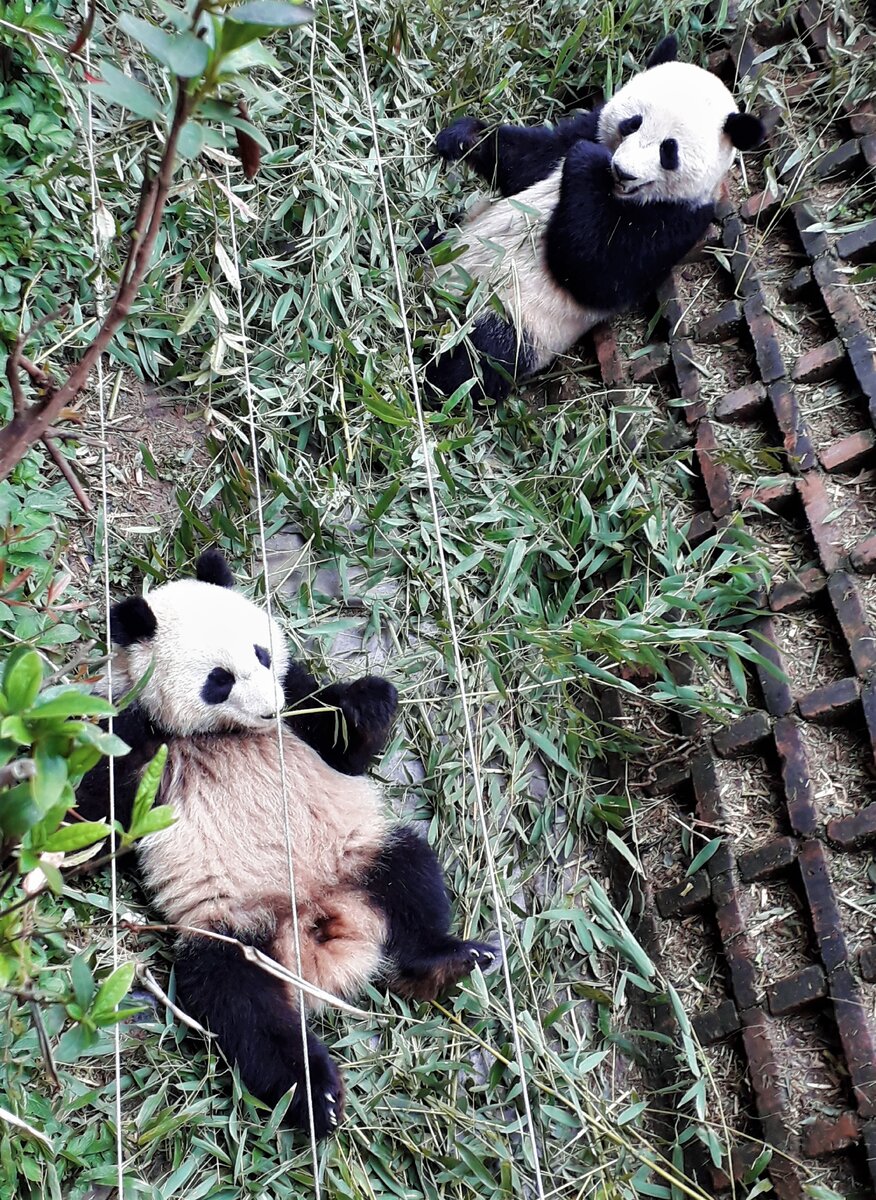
(219, 661)
(673, 131)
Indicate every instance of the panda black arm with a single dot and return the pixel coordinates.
(353, 720)
(514, 157)
(612, 252)
(92, 796)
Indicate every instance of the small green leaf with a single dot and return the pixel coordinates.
(82, 980)
(126, 92)
(147, 789)
(182, 53)
(191, 140)
(156, 819)
(73, 1043)
(16, 730)
(77, 836)
(113, 990)
(22, 679)
(71, 703)
(272, 13)
(18, 813)
(703, 856)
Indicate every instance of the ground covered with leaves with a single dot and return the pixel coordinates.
(568, 567)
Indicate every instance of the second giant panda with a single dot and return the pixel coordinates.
(371, 903)
(596, 211)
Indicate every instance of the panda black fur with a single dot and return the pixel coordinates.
(371, 898)
(596, 212)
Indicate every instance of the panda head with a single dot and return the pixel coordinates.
(673, 131)
(219, 660)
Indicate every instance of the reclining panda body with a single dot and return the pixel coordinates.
(595, 213)
(370, 898)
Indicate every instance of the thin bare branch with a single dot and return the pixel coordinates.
(67, 471)
(26, 428)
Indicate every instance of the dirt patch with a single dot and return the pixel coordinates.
(786, 541)
(750, 453)
(156, 445)
(853, 876)
(811, 1071)
(866, 585)
(831, 411)
(778, 931)
(852, 506)
(690, 950)
(752, 800)
(841, 770)
(812, 647)
(663, 831)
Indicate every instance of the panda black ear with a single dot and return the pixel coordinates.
(211, 567)
(665, 51)
(744, 130)
(132, 620)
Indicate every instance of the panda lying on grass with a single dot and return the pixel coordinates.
(371, 900)
(597, 210)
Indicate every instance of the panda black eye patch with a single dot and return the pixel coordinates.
(629, 125)
(669, 154)
(217, 686)
(262, 655)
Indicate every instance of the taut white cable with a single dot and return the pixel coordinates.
(100, 305)
(448, 607)
(244, 345)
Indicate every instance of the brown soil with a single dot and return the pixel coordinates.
(811, 1070)
(812, 647)
(853, 506)
(841, 769)
(752, 800)
(156, 445)
(853, 876)
(777, 930)
(831, 410)
(689, 950)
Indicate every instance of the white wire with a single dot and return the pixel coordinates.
(100, 305)
(449, 612)
(268, 606)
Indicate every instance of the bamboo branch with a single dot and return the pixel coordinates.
(29, 425)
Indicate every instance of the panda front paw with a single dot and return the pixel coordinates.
(588, 156)
(327, 1090)
(459, 138)
(369, 706)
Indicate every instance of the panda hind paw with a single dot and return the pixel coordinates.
(445, 968)
(459, 138)
(327, 1090)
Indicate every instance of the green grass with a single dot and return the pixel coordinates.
(540, 502)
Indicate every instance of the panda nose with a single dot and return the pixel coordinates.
(621, 175)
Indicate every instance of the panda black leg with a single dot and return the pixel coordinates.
(408, 885)
(259, 1030)
(352, 721)
(503, 356)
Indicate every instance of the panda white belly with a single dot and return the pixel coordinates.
(223, 864)
(504, 248)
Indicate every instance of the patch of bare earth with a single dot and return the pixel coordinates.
(155, 447)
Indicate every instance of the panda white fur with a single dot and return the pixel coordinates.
(371, 899)
(595, 213)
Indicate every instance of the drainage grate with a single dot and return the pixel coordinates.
(773, 356)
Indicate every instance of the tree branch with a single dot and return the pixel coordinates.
(29, 425)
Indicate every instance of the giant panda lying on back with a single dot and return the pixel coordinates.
(371, 899)
(598, 209)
